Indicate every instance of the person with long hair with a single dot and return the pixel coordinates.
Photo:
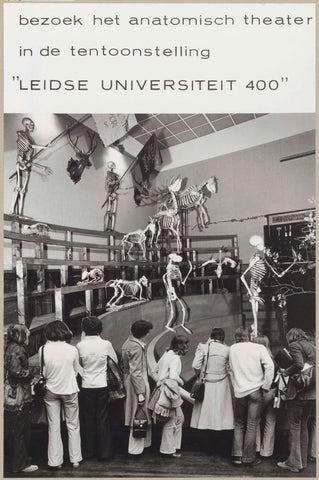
(300, 405)
(168, 373)
(265, 439)
(215, 412)
(61, 365)
(17, 407)
(136, 383)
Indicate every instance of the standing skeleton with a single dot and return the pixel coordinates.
(168, 218)
(258, 266)
(126, 288)
(112, 184)
(137, 237)
(173, 274)
(24, 164)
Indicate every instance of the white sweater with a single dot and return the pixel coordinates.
(252, 368)
(169, 366)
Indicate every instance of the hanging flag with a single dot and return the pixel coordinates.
(113, 126)
(149, 159)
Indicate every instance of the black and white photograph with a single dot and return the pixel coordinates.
(159, 295)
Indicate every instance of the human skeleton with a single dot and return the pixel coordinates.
(112, 184)
(126, 288)
(139, 238)
(24, 164)
(258, 266)
(173, 273)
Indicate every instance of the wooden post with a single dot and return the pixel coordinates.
(59, 304)
(107, 255)
(64, 273)
(16, 245)
(112, 243)
(202, 283)
(22, 291)
(38, 251)
(135, 272)
(69, 250)
(89, 301)
(210, 285)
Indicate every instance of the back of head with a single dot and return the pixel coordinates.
(57, 331)
(241, 335)
(140, 328)
(17, 333)
(91, 326)
(295, 334)
(217, 334)
(179, 344)
(263, 340)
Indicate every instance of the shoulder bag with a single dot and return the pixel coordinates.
(114, 378)
(39, 386)
(198, 389)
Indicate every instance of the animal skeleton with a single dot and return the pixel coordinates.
(168, 218)
(137, 237)
(258, 265)
(75, 168)
(126, 288)
(194, 197)
(41, 229)
(220, 263)
(24, 164)
(173, 273)
(112, 184)
(95, 275)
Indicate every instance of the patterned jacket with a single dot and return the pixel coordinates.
(16, 366)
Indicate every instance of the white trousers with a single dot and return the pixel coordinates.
(137, 445)
(172, 433)
(53, 403)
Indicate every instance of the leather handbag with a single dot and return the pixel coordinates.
(13, 395)
(114, 378)
(198, 389)
(39, 386)
(140, 423)
(304, 379)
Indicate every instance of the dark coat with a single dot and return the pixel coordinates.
(16, 365)
(302, 351)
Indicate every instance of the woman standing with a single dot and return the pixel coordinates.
(301, 405)
(17, 400)
(61, 365)
(215, 412)
(136, 382)
(94, 395)
(169, 368)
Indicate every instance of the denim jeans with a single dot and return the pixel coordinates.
(265, 440)
(299, 412)
(247, 417)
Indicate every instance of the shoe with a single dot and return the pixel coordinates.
(30, 469)
(237, 461)
(287, 467)
(177, 455)
(257, 461)
(76, 464)
(312, 459)
(57, 467)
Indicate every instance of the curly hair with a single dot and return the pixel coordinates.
(18, 333)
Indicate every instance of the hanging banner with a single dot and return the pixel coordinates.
(112, 126)
(149, 159)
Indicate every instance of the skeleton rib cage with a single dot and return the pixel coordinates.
(257, 272)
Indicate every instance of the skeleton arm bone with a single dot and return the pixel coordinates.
(188, 273)
(280, 275)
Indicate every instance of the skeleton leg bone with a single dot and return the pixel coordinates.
(184, 315)
(116, 292)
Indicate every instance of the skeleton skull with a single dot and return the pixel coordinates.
(28, 123)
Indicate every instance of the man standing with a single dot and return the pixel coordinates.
(253, 372)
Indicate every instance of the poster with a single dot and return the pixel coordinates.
(82, 221)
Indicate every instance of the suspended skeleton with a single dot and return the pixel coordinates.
(112, 184)
(221, 261)
(75, 168)
(126, 288)
(95, 275)
(194, 197)
(137, 237)
(168, 218)
(41, 229)
(173, 274)
(24, 164)
(258, 266)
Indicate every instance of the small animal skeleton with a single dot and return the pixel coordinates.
(126, 288)
(95, 275)
(41, 229)
(168, 218)
(173, 274)
(137, 237)
(258, 266)
(75, 168)
(24, 164)
(221, 261)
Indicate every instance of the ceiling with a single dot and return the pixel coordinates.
(174, 128)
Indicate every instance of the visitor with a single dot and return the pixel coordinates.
(61, 365)
(300, 404)
(253, 371)
(215, 412)
(94, 395)
(17, 401)
(136, 383)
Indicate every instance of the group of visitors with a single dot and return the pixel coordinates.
(240, 394)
